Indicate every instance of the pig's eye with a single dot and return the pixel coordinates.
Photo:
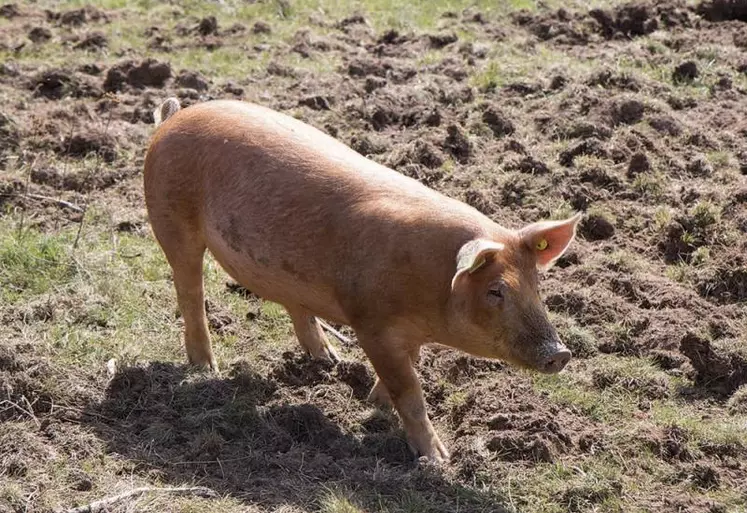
(495, 295)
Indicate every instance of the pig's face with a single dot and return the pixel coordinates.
(495, 306)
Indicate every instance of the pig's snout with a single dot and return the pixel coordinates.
(554, 362)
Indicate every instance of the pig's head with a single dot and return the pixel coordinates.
(495, 308)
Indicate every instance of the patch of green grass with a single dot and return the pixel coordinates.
(714, 428)
(623, 260)
(227, 61)
(650, 185)
(594, 485)
(112, 297)
(602, 212)
(700, 256)
(570, 389)
(336, 502)
(662, 218)
(635, 376)
(719, 159)
(705, 214)
(578, 339)
(456, 399)
(509, 63)
(562, 210)
(679, 272)
(33, 263)
(382, 13)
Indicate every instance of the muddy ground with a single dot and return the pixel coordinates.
(635, 114)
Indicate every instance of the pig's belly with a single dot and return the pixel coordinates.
(269, 280)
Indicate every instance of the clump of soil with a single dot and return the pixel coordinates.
(366, 144)
(650, 387)
(737, 403)
(207, 26)
(148, 73)
(500, 124)
(627, 20)
(21, 449)
(610, 79)
(78, 17)
(102, 178)
(10, 135)
(191, 80)
(513, 446)
(36, 383)
(685, 72)
(668, 443)
(627, 112)
(595, 227)
(721, 368)
(418, 152)
(527, 164)
(457, 144)
(591, 146)
(704, 476)
(83, 144)
(529, 438)
(39, 34)
(442, 40)
(357, 376)
(317, 102)
(261, 27)
(667, 360)
(9, 11)
(300, 370)
(724, 282)
(722, 10)
(688, 232)
(220, 319)
(93, 41)
(56, 84)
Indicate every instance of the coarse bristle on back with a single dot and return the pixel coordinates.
(167, 109)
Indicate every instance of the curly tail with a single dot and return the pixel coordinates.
(167, 109)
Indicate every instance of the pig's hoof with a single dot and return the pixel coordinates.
(435, 452)
(205, 365)
(379, 396)
(331, 354)
(325, 353)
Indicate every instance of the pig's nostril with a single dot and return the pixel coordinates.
(556, 362)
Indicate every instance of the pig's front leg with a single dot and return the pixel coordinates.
(391, 357)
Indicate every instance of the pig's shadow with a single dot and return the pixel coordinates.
(226, 434)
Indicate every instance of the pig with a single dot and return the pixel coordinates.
(302, 220)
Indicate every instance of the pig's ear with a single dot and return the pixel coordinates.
(473, 255)
(549, 239)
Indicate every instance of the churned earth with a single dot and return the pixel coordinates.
(633, 113)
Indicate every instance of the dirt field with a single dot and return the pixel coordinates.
(633, 113)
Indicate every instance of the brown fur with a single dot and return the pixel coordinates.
(301, 219)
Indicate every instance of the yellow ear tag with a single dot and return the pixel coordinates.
(542, 245)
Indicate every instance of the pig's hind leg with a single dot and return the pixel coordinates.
(185, 252)
(310, 335)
